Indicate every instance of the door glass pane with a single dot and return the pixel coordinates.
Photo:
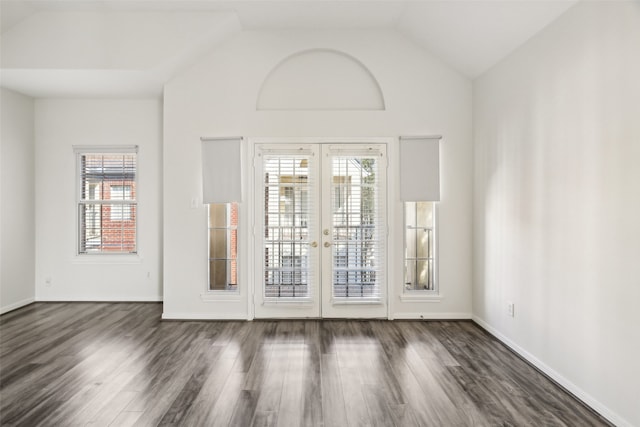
(355, 210)
(287, 209)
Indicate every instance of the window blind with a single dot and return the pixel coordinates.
(107, 199)
(290, 224)
(357, 215)
(221, 170)
(420, 168)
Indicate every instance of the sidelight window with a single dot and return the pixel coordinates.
(420, 247)
(223, 247)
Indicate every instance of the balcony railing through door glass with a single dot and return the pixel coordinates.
(286, 226)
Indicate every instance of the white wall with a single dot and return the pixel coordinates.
(106, 53)
(557, 203)
(60, 124)
(17, 216)
(217, 97)
(118, 40)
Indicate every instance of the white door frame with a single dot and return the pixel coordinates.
(252, 273)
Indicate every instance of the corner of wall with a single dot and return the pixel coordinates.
(17, 201)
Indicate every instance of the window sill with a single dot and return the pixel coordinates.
(220, 296)
(99, 259)
(347, 301)
(412, 297)
(290, 302)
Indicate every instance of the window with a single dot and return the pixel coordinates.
(223, 247)
(107, 200)
(293, 200)
(341, 192)
(122, 212)
(419, 258)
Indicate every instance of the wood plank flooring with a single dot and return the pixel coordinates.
(103, 364)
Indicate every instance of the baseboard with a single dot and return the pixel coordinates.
(16, 305)
(201, 316)
(101, 299)
(431, 316)
(576, 391)
(399, 316)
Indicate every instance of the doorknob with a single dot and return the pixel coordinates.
(313, 244)
(327, 244)
(326, 232)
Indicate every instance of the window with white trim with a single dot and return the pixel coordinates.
(107, 200)
(420, 247)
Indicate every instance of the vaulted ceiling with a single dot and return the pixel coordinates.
(131, 47)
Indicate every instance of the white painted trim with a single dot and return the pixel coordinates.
(110, 298)
(432, 316)
(390, 145)
(202, 316)
(220, 138)
(430, 298)
(116, 259)
(420, 137)
(582, 395)
(337, 52)
(127, 258)
(322, 140)
(221, 296)
(117, 149)
(16, 305)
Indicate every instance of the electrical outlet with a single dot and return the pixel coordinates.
(510, 309)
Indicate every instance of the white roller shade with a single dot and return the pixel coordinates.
(221, 170)
(420, 168)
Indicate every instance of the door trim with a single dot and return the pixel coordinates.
(254, 282)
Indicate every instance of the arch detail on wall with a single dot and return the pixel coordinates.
(320, 79)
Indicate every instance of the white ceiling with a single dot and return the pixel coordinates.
(469, 35)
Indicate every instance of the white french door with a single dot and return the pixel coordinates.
(320, 230)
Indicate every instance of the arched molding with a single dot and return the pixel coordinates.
(320, 79)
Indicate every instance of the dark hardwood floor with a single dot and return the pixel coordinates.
(92, 364)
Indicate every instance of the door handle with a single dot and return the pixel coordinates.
(326, 232)
(313, 244)
(327, 244)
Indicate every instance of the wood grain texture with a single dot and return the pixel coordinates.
(104, 364)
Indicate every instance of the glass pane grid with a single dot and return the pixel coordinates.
(287, 209)
(100, 232)
(419, 247)
(223, 247)
(357, 246)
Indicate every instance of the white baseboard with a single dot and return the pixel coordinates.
(398, 316)
(127, 298)
(432, 316)
(585, 397)
(201, 316)
(16, 305)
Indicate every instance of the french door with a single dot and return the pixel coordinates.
(320, 230)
